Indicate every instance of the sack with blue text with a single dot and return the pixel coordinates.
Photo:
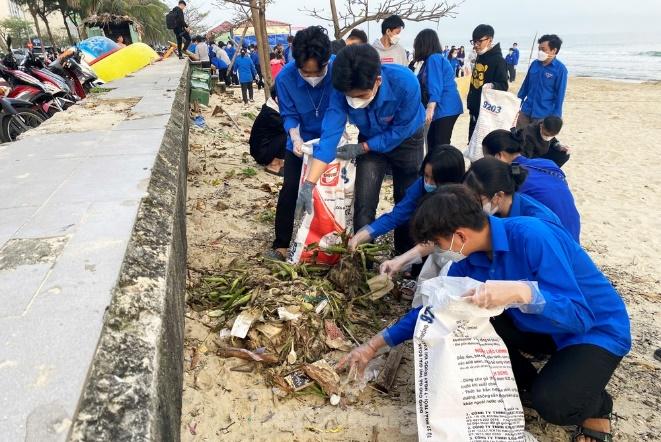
(464, 384)
(498, 111)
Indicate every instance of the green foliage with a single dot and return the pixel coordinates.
(248, 172)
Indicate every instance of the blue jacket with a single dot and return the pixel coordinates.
(547, 183)
(191, 48)
(287, 54)
(581, 306)
(245, 69)
(524, 205)
(230, 50)
(298, 100)
(515, 57)
(509, 58)
(455, 63)
(395, 114)
(254, 56)
(442, 87)
(401, 213)
(543, 90)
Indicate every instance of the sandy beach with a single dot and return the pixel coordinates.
(612, 128)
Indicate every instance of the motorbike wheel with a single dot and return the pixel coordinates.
(23, 120)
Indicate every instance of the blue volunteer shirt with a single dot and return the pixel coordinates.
(581, 306)
(524, 205)
(402, 211)
(230, 51)
(254, 56)
(543, 90)
(395, 114)
(301, 104)
(244, 68)
(515, 57)
(547, 183)
(442, 87)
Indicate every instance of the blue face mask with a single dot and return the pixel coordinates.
(429, 188)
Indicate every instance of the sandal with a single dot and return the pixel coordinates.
(592, 434)
(280, 172)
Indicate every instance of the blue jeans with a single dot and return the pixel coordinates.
(404, 161)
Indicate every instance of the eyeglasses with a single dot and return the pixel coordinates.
(477, 42)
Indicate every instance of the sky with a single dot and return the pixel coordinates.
(512, 19)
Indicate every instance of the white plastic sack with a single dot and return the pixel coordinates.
(332, 213)
(464, 384)
(498, 111)
(437, 264)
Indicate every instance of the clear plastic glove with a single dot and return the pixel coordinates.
(487, 86)
(429, 114)
(361, 237)
(522, 294)
(304, 201)
(349, 151)
(359, 357)
(395, 265)
(297, 141)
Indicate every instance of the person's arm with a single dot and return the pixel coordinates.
(500, 76)
(252, 69)
(400, 214)
(403, 329)
(406, 116)
(290, 117)
(435, 80)
(523, 92)
(561, 87)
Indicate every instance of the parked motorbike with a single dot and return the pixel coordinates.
(16, 117)
(70, 64)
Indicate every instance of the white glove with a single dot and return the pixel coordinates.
(297, 141)
(395, 265)
(361, 237)
(487, 86)
(524, 295)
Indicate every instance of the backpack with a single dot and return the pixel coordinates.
(171, 20)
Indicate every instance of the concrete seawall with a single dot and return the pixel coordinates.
(93, 267)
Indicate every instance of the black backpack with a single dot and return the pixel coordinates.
(171, 20)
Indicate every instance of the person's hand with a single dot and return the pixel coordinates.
(564, 148)
(429, 115)
(349, 151)
(361, 237)
(304, 201)
(494, 294)
(395, 265)
(487, 86)
(358, 359)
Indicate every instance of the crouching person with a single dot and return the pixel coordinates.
(268, 139)
(557, 302)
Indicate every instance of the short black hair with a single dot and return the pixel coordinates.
(274, 92)
(356, 67)
(441, 213)
(481, 31)
(392, 22)
(221, 43)
(552, 124)
(358, 34)
(311, 42)
(272, 56)
(447, 164)
(425, 44)
(290, 38)
(336, 45)
(488, 176)
(554, 41)
(182, 2)
(515, 44)
(501, 140)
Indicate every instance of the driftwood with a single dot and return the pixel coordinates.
(242, 353)
(386, 378)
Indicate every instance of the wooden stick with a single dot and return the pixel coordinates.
(218, 109)
(386, 378)
(242, 353)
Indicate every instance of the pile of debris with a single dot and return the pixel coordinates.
(294, 319)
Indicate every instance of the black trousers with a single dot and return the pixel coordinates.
(182, 35)
(286, 208)
(260, 78)
(440, 131)
(571, 387)
(471, 124)
(246, 91)
(511, 72)
(404, 161)
(556, 155)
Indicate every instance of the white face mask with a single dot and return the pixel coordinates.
(489, 208)
(544, 137)
(542, 56)
(314, 81)
(483, 51)
(359, 103)
(452, 255)
(394, 39)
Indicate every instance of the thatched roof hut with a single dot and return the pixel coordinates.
(112, 26)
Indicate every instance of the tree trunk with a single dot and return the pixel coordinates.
(336, 20)
(37, 28)
(48, 31)
(66, 25)
(264, 45)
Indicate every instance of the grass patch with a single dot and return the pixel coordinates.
(248, 172)
(100, 90)
(267, 216)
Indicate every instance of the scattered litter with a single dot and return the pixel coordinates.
(291, 313)
(297, 380)
(243, 322)
(380, 285)
(199, 121)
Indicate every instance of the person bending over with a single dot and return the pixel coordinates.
(268, 139)
(557, 303)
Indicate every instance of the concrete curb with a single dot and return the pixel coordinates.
(133, 390)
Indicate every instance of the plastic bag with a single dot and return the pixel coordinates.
(437, 264)
(465, 388)
(332, 201)
(498, 111)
